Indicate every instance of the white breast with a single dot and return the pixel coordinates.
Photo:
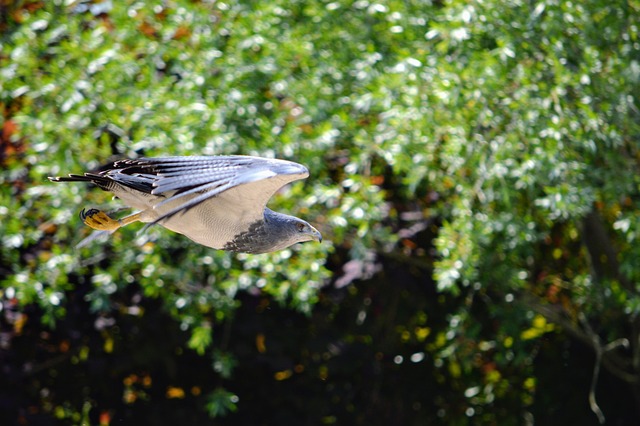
(212, 223)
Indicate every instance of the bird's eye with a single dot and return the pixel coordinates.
(300, 226)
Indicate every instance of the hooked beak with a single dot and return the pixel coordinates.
(315, 234)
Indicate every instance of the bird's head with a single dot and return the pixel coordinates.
(289, 230)
(306, 232)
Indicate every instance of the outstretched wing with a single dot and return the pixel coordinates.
(241, 185)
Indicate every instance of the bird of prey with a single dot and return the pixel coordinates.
(217, 201)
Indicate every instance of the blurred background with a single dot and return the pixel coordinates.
(473, 169)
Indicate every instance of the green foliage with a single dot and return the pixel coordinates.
(221, 402)
(476, 161)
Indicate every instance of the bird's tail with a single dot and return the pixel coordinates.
(72, 178)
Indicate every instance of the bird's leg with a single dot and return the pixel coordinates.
(99, 220)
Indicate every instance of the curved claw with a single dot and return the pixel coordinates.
(99, 220)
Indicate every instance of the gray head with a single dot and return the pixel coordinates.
(276, 232)
(290, 229)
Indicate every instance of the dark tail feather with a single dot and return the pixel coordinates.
(102, 182)
(72, 178)
(108, 183)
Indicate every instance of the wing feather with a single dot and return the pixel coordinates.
(244, 182)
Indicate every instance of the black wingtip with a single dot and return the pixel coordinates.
(71, 178)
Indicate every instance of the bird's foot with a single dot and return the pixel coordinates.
(99, 220)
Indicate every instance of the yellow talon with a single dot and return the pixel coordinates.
(99, 220)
